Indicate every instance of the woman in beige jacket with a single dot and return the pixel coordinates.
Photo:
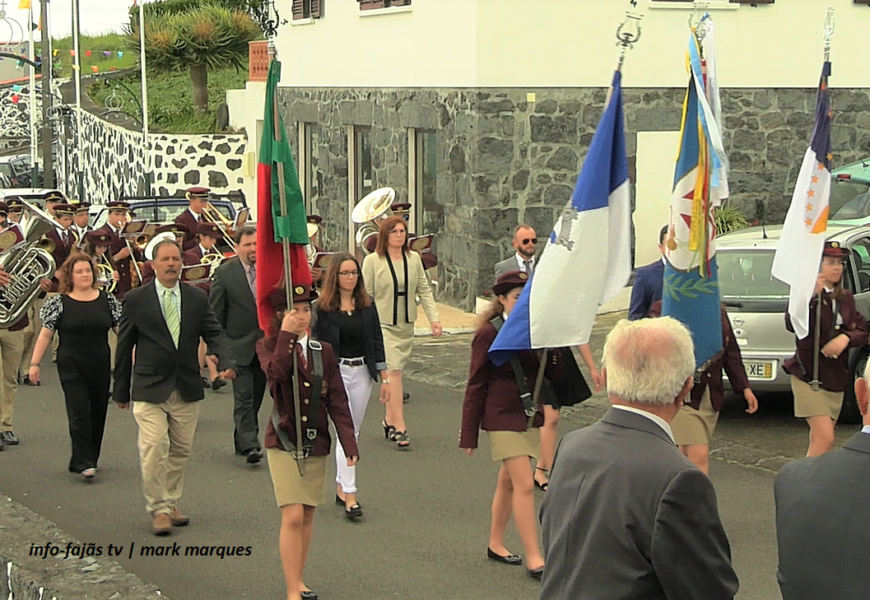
(394, 276)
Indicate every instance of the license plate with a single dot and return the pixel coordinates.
(759, 369)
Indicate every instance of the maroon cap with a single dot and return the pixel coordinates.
(209, 229)
(198, 192)
(834, 249)
(508, 281)
(176, 228)
(97, 238)
(118, 205)
(64, 210)
(301, 293)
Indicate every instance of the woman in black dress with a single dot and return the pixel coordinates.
(346, 318)
(82, 314)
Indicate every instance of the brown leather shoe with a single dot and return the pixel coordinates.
(178, 519)
(160, 524)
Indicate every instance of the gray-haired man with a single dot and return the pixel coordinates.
(626, 515)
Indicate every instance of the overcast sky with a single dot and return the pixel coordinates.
(97, 16)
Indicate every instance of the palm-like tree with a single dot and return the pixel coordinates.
(197, 36)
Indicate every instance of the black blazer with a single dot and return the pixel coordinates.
(326, 329)
(822, 525)
(234, 306)
(161, 368)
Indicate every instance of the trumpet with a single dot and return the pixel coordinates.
(213, 215)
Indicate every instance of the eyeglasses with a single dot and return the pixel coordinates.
(353, 273)
(834, 263)
(398, 231)
(530, 240)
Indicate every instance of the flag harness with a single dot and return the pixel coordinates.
(314, 406)
(529, 405)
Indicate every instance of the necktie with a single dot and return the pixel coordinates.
(252, 279)
(303, 363)
(528, 265)
(170, 313)
(63, 236)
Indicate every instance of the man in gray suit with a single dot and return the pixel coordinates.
(524, 242)
(626, 516)
(232, 298)
(822, 524)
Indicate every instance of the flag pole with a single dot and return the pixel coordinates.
(817, 333)
(298, 454)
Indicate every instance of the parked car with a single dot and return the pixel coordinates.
(26, 194)
(757, 302)
(850, 194)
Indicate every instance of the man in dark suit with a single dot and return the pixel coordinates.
(232, 299)
(822, 526)
(163, 322)
(647, 287)
(197, 198)
(523, 259)
(627, 515)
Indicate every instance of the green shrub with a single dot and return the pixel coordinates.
(729, 218)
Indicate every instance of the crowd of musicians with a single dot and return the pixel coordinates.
(110, 313)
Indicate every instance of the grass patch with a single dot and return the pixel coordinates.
(170, 98)
(97, 45)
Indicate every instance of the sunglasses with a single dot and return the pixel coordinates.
(530, 240)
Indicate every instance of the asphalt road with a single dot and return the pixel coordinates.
(427, 510)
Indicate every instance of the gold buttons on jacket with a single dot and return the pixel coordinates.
(306, 384)
(304, 419)
(307, 402)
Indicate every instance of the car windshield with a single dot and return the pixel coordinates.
(6, 169)
(850, 199)
(746, 274)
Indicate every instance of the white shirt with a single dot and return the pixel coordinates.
(520, 260)
(654, 418)
(839, 320)
(196, 217)
(62, 232)
(303, 342)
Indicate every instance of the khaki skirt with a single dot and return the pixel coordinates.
(508, 444)
(290, 487)
(691, 427)
(398, 342)
(808, 403)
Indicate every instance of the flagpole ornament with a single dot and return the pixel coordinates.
(699, 19)
(267, 17)
(829, 31)
(627, 34)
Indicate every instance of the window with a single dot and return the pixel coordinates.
(363, 160)
(860, 251)
(746, 274)
(307, 9)
(429, 214)
(313, 176)
(373, 4)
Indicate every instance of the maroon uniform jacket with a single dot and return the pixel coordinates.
(728, 359)
(833, 372)
(147, 272)
(193, 257)
(186, 218)
(123, 266)
(492, 399)
(276, 360)
(60, 253)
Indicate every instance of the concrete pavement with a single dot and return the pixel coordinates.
(427, 510)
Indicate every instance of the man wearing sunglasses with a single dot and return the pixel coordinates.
(524, 243)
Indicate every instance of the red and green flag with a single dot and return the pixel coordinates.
(272, 227)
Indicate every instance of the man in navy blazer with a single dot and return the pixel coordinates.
(647, 288)
(822, 524)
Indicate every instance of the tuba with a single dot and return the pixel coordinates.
(27, 263)
(370, 211)
(105, 277)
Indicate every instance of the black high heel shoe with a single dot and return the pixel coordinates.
(536, 573)
(541, 486)
(510, 559)
(389, 431)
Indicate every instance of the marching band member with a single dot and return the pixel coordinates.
(842, 327)
(61, 236)
(81, 225)
(694, 425)
(348, 321)
(12, 347)
(4, 216)
(394, 277)
(299, 495)
(494, 402)
(82, 315)
(192, 217)
(51, 199)
(14, 206)
(313, 225)
(120, 250)
(96, 245)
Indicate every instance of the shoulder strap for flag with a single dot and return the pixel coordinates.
(525, 395)
(314, 406)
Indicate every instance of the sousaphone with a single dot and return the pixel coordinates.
(370, 211)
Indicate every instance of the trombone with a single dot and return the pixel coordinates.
(213, 215)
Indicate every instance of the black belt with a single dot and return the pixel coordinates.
(352, 362)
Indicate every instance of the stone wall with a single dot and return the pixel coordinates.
(502, 160)
(113, 161)
(15, 117)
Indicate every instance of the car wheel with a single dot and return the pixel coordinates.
(850, 415)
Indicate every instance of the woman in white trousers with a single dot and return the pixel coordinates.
(347, 319)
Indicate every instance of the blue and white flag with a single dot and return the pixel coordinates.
(690, 291)
(587, 259)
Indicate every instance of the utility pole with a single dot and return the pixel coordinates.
(47, 127)
(77, 76)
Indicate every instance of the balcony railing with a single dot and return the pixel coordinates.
(258, 60)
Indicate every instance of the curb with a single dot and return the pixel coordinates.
(32, 577)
